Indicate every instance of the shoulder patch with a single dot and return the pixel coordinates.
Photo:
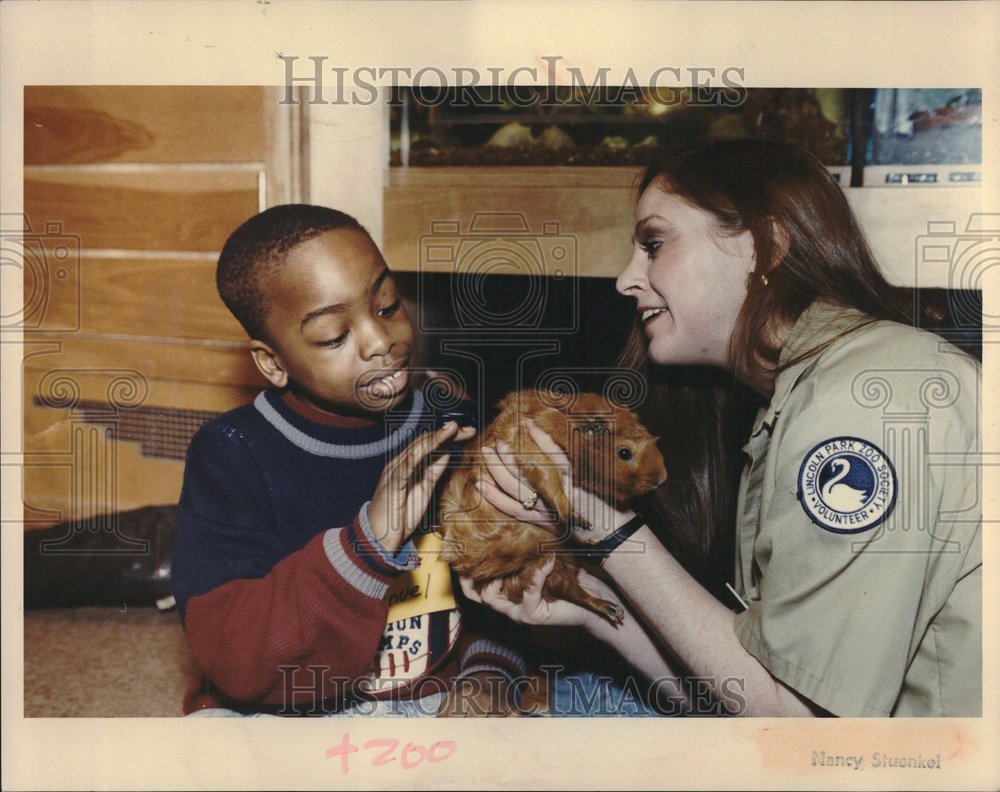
(847, 485)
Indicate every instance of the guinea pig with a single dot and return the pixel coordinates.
(611, 455)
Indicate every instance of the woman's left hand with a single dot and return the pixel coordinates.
(482, 694)
(534, 609)
(507, 488)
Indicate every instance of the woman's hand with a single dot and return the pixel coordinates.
(533, 608)
(482, 694)
(405, 486)
(599, 518)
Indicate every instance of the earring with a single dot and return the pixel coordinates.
(763, 280)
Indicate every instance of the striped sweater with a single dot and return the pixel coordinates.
(280, 580)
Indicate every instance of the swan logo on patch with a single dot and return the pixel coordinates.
(847, 485)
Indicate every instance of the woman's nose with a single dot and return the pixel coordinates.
(633, 277)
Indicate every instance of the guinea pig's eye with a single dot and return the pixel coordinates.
(625, 453)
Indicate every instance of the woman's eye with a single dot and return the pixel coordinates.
(650, 246)
(389, 310)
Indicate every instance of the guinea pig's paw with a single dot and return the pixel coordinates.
(613, 612)
(576, 522)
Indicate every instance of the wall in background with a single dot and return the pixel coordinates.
(129, 193)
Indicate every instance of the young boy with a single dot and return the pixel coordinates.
(295, 522)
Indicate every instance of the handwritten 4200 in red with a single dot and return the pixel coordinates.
(409, 757)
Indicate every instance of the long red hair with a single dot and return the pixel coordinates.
(809, 246)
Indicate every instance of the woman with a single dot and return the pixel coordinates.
(858, 548)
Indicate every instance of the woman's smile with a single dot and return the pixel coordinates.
(648, 314)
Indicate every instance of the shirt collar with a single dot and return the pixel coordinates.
(362, 442)
(818, 325)
(323, 417)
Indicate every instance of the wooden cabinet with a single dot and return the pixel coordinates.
(130, 193)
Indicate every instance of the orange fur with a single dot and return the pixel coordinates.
(612, 455)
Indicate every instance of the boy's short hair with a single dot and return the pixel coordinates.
(257, 250)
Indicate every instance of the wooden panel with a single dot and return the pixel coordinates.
(287, 134)
(225, 364)
(89, 124)
(142, 211)
(50, 262)
(587, 214)
(508, 178)
(594, 207)
(93, 387)
(170, 172)
(72, 471)
(172, 298)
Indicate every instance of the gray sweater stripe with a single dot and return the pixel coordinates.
(316, 447)
(351, 572)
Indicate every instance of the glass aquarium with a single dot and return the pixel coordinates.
(562, 125)
(864, 135)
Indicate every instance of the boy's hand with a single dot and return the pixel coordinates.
(405, 486)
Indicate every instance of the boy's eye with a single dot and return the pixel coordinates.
(389, 310)
(334, 342)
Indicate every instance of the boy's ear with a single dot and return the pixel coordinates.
(268, 363)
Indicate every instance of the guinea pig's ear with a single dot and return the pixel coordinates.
(595, 426)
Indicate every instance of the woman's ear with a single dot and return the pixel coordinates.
(782, 242)
(268, 363)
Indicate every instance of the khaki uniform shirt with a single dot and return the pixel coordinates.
(859, 551)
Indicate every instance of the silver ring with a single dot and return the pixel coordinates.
(529, 502)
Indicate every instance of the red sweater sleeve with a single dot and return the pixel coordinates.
(302, 632)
